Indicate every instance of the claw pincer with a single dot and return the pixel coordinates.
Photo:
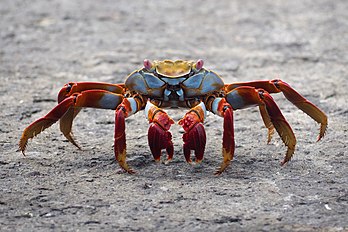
(194, 136)
(159, 136)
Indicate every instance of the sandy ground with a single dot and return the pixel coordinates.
(45, 44)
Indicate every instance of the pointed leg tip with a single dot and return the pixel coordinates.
(129, 171)
(322, 132)
(320, 136)
(270, 135)
(284, 162)
(22, 148)
(218, 172)
(70, 137)
(77, 146)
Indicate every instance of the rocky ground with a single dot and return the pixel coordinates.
(45, 44)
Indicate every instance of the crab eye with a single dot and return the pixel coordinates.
(199, 64)
(68, 88)
(147, 64)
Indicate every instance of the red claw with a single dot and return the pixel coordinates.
(194, 136)
(160, 139)
(159, 136)
(194, 139)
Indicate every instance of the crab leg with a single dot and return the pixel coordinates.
(267, 121)
(243, 97)
(276, 86)
(194, 136)
(159, 136)
(90, 98)
(77, 87)
(222, 108)
(128, 107)
(66, 120)
(65, 124)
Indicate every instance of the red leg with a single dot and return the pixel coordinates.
(65, 124)
(194, 136)
(267, 121)
(120, 138)
(276, 86)
(224, 109)
(78, 87)
(71, 88)
(243, 97)
(125, 109)
(91, 98)
(159, 136)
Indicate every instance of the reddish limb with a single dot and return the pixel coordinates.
(159, 137)
(65, 125)
(225, 110)
(120, 139)
(276, 86)
(249, 96)
(71, 88)
(194, 136)
(78, 87)
(267, 121)
(125, 109)
(90, 98)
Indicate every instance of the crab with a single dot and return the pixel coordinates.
(177, 84)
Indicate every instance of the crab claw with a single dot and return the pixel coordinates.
(194, 136)
(195, 139)
(159, 136)
(159, 139)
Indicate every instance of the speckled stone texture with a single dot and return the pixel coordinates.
(45, 44)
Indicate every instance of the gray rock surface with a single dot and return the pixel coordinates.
(45, 44)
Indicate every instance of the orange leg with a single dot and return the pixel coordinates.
(222, 108)
(127, 107)
(194, 136)
(122, 111)
(65, 124)
(77, 87)
(267, 121)
(90, 98)
(242, 97)
(276, 86)
(71, 88)
(159, 136)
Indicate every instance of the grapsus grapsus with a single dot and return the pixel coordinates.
(162, 84)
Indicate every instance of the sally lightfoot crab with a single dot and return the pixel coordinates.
(184, 84)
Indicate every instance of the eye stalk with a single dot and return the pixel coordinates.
(199, 64)
(147, 64)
